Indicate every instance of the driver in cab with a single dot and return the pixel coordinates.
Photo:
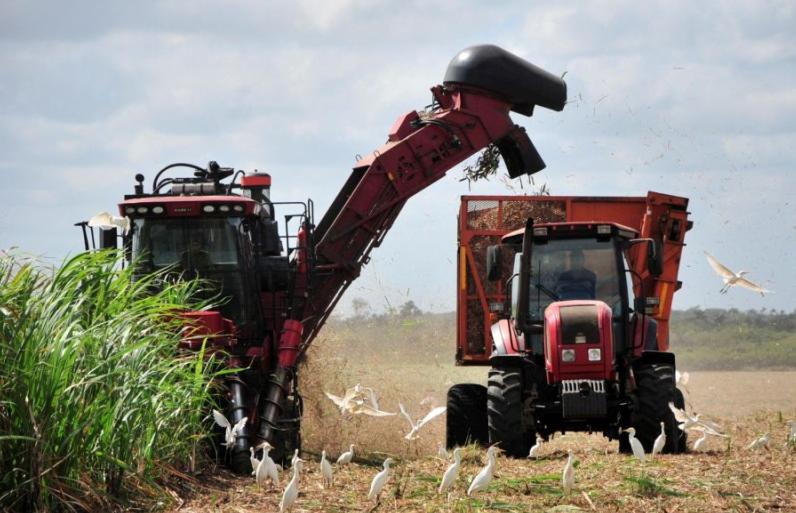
(195, 256)
(577, 282)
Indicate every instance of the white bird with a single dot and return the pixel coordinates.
(534, 452)
(442, 452)
(687, 421)
(267, 469)
(291, 491)
(792, 434)
(231, 432)
(758, 443)
(253, 459)
(107, 221)
(358, 400)
(731, 278)
(450, 475)
(635, 444)
(700, 441)
(434, 413)
(326, 470)
(681, 378)
(379, 480)
(568, 476)
(295, 458)
(660, 442)
(481, 481)
(347, 456)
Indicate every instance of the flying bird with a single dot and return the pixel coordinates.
(758, 443)
(231, 432)
(481, 481)
(379, 480)
(635, 445)
(415, 426)
(660, 442)
(450, 475)
(732, 279)
(358, 400)
(681, 378)
(326, 470)
(568, 476)
(534, 452)
(687, 421)
(291, 491)
(107, 221)
(347, 456)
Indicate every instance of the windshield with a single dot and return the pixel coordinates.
(566, 269)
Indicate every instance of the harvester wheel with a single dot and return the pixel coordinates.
(466, 415)
(504, 412)
(654, 390)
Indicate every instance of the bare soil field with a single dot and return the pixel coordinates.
(725, 477)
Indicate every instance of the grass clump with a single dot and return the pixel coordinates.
(96, 403)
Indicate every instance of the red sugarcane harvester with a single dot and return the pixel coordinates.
(571, 313)
(281, 288)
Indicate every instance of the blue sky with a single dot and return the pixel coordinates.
(689, 98)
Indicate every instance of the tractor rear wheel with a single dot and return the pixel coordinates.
(466, 415)
(654, 391)
(504, 412)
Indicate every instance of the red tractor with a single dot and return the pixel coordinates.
(578, 305)
(280, 286)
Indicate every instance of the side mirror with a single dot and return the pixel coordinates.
(493, 263)
(108, 238)
(655, 258)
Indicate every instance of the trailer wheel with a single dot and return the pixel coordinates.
(466, 415)
(504, 412)
(654, 390)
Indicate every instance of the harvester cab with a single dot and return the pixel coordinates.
(578, 346)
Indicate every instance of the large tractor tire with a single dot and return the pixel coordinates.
(466, 416)
(654, 390)
(504, 412)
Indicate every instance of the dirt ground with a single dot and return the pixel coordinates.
(725, 477)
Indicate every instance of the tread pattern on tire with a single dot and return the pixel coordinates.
(504, 412)
(466, 415)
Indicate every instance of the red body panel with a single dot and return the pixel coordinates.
(556, 369)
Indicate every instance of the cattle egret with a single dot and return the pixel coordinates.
(326, 470)
(267, 468)
(568, 476)
(295, 458)
(231, 432)
(758, 443)
(347, 456)
(534, 452)
(792, 434)
(291, 491)
(450, 475)
(660, 442)
(415, 426)
(358, 400)
(681, 378)
(379, 480)
(481, 481)
(442, 452)
(635, 445)
(253, 459)
(107, 221)
(700, 442)
(687, 421)
(731, 278)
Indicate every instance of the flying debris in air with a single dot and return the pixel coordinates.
(732, 279)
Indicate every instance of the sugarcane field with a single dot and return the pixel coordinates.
(378, 256)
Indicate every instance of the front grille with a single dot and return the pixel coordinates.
(583, 398)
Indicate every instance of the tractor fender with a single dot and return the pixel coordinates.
(505, 340)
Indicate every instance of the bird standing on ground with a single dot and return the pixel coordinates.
(732, 279)
(450, 475)
(326, 470)
(347, 456)
(434, 413)
(294, 458)
(231, 432)
(267, 468)
(291, 491)
(792, 433)
(568, 476)
(253, 459)
(635, 445)
(534, 452)
(482, 480)
(700, 441)
(660, 442)
(758, 443)
(379, 480)
(442, 452)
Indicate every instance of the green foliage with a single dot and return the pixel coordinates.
(95, 401)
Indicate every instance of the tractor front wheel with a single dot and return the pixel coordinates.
(466, 415)
(504, 412)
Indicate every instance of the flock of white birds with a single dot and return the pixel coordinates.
(360, 400)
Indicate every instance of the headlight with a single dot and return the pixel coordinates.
(224, 208)
(157, 210)
(209, 208)
(603, 229)
(595, 355)
(568, 355)
(142, 210)
(238, 208)
(129, 210)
